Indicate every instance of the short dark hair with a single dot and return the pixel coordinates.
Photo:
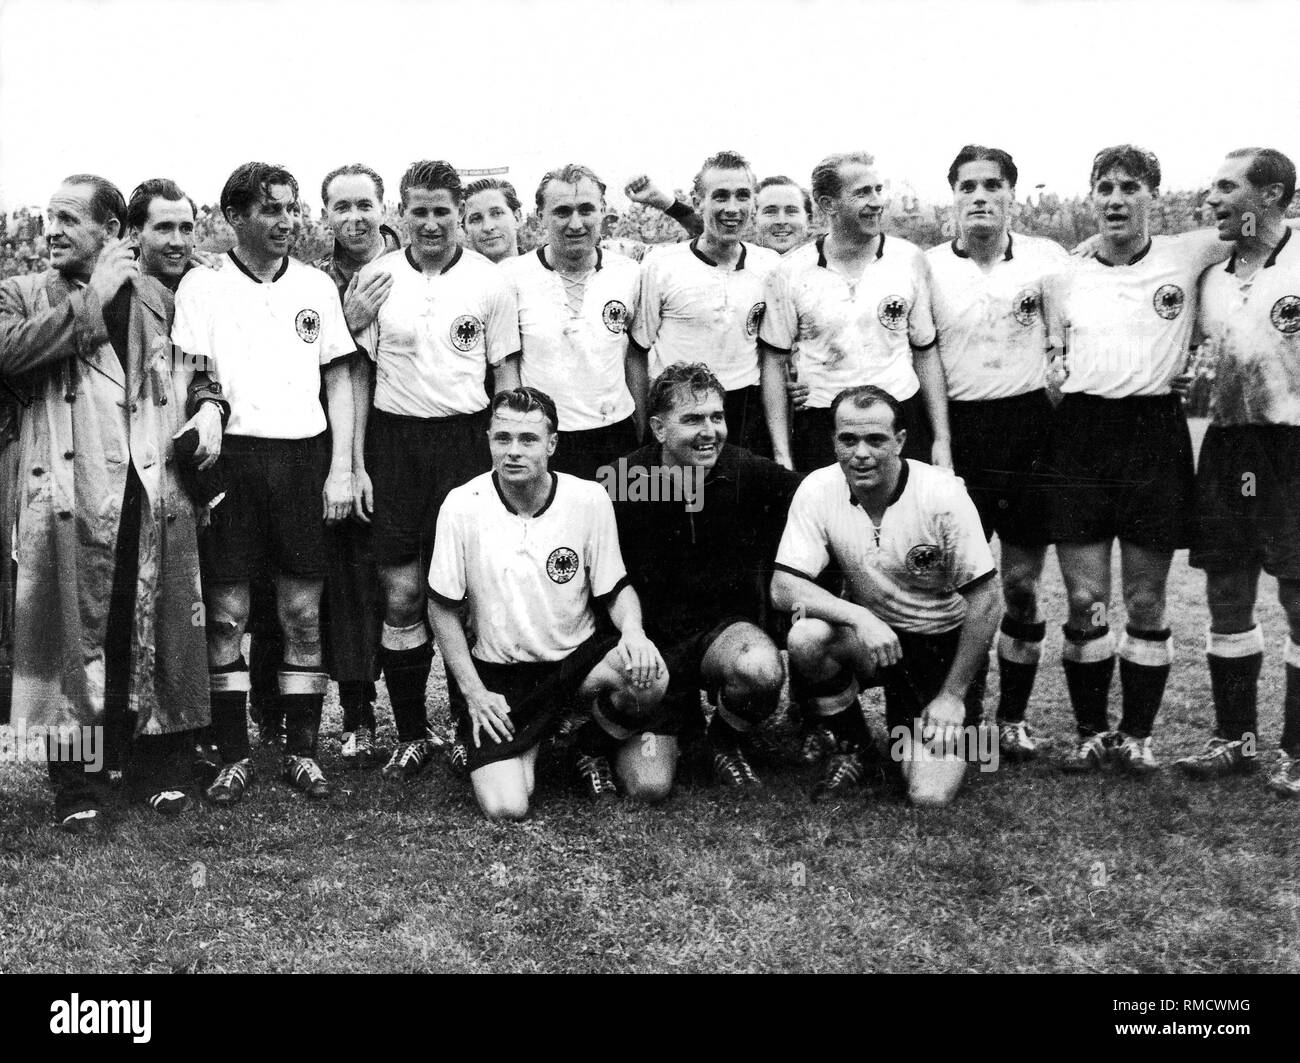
(694, 377)
(1269, 167)
(826, 174)
(137, 209)
(105, 198)
(780, 180)
(352, 169)
(722, 160)
(495, 184)
(1137, 162)
(431, 175)
(570, 174)
(863, 397)
(251, 183)
(526, 400)
(979, 153)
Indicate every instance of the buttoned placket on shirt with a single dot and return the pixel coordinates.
(724, 283)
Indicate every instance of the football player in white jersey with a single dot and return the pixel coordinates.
(450, 318)
(920, 605)
(850, 308)
(530, 552)
(272, 328)
(1248, 476)
(575, 302)
(987, 300)
(702, 301)
(1120, 461)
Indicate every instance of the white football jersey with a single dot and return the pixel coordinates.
(841, 333)
(992, 335)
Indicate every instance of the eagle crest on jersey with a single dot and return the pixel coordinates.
(308, 325)
(1285, 315)
(754, 318)
(1168, 301)
(1028, 304)
(562, 565)
(921, 559)
(465, 332)
(615, 316)
(892, 312)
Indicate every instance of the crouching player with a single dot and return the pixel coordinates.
(699, 521)
(921, 604)
(532, 551)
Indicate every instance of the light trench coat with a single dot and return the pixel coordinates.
(84, 420)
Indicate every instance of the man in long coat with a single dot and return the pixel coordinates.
(108, 617)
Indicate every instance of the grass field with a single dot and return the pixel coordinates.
(1028, 870)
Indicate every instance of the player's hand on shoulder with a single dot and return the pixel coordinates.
(206, 259)
(641, 189)
(1088, 248)
(490, 714)
(363, 299)
(879, 642)
(641, 660)
(117, 264)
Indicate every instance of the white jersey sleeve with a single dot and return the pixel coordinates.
(646, 323)
(921, 332)
(605, 557)
(967, 552)
(780, 326)
(190, 329)
(448, 577)
(501, 321)
(803, 548)
(335, 340)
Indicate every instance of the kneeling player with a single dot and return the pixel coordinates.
(532, 551)
(921, 602)
(699, 521)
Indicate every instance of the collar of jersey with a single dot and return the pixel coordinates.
(284, 267)
(1136, 258)
(695, 250)
(903, 474)
(555, 483)
(1231, 267)
(541, 257)
(966, 254)
(445, 269)
(821, 250)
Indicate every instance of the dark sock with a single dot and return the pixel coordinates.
(1019, 649)
(265, 654)
(1088, 681)
(407, 674)
(836, 705)
(357, 700)
(302, 707)
(1291, 710)
(1143, 672)
(722, 734)
(229, 730)
(1234, 681)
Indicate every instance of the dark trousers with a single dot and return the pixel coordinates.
(812, 429)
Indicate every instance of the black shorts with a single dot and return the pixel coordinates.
(998, 447)
(913, 683)
(685, 659)
(539, 693)
(812, 429)
(1121, 469)
(582, 453)
(1248, 500)
(413, 463)
(746, 422)
(271, 518)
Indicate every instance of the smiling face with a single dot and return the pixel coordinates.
(726, 203)
(265, 231)
(490, 224)
(572, 214)
(166, 239)
(693, 430)
(353, 212)
(73, 236)
(858, 211)
(430, 217)
(982, 199)
(1121, 204)
(521, 445)
(867, 445)
(1236, 205)
(782, 222)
